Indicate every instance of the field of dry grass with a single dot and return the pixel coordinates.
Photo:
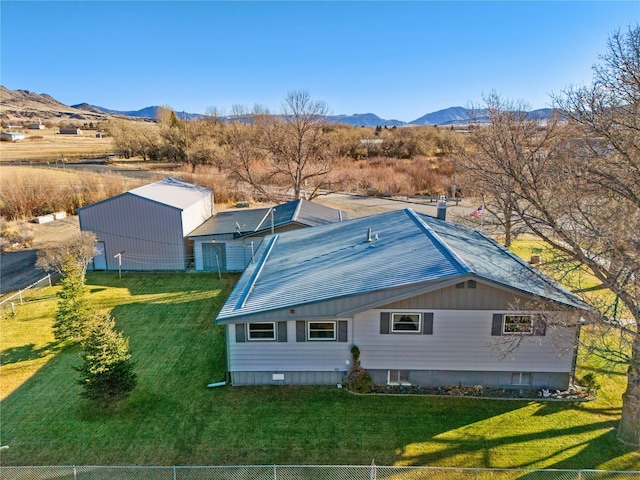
(49, 146)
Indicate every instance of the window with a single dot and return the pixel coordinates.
(405, 322)
(322, 330)
(262, 331)
(472, 284)
(518, 325)
(521, 378)
(398, 377)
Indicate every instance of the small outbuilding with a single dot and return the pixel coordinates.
(12, 136)
(70, 131)
(146, 228)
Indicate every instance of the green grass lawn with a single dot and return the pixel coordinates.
(172, 418)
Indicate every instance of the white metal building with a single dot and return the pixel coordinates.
(146, 228)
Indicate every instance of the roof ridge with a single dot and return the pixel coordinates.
(256, 273)
(443, 246)
(263, 219)
(297, 210)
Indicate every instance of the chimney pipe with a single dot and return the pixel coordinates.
(442, 208)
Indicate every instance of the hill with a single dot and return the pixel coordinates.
(23, 105)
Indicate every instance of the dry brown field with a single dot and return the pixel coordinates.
(49, 146)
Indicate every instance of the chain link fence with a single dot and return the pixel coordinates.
(298, 472)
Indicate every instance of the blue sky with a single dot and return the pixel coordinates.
(399, 60)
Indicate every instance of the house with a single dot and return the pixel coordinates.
(146, 228)
(427, 302)
(12, 136)
(228, 240)
(70, 131)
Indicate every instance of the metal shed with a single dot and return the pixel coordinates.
(146, 228)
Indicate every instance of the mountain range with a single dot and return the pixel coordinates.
(23, 104)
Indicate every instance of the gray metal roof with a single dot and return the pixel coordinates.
(251, 221)
(172, 192)
(232, 221)
(336, 260)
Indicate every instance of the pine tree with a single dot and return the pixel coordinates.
(106, 373)
(74, 313)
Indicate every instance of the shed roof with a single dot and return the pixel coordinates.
(251, 221)
(336, 260)
(172, 192)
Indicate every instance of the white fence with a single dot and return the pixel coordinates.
(8, 305)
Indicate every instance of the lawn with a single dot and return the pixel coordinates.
(172, 418)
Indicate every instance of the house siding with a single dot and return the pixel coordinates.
(459, 350)
(272, 356)
(482, 297)
(461, 341)
(238, 252)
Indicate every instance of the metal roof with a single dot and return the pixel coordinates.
(230, 221)
(250, 221)
(172, 192)
(337, 260)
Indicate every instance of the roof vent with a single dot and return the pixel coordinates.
(369, 238)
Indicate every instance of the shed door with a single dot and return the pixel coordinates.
(214, 257)
(100, 260)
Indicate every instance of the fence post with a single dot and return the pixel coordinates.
(20, 295)
(579, 474)
(175, 473)
(275, 473)
(75, 473)
(49, 277)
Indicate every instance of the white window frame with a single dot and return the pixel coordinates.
(398, 377)
(261, 339)
(521, 377)
(323, 339)
(394, 330)
(519, 332)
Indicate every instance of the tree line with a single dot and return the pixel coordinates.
(298, 148)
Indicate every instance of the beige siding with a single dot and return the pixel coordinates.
(483, 297)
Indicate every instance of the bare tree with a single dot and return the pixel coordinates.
(298, 144)
(510, 140)
(582, 197)
(80, 249)
(243, 156)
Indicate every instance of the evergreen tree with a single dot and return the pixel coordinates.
(74, 313)
(106, 373)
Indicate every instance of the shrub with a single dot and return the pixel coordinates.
(357, 379)
(590, 382)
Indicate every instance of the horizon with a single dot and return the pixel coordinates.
(397, 60)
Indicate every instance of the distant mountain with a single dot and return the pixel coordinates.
(365, 120)
(447, 116)
(23, 104)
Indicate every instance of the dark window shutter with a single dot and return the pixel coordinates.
(301, 333)
(282, 331)
(342, 330)
(427, 323)
(384, 323)
(240, 333)
(496, 325)
(539, 325)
